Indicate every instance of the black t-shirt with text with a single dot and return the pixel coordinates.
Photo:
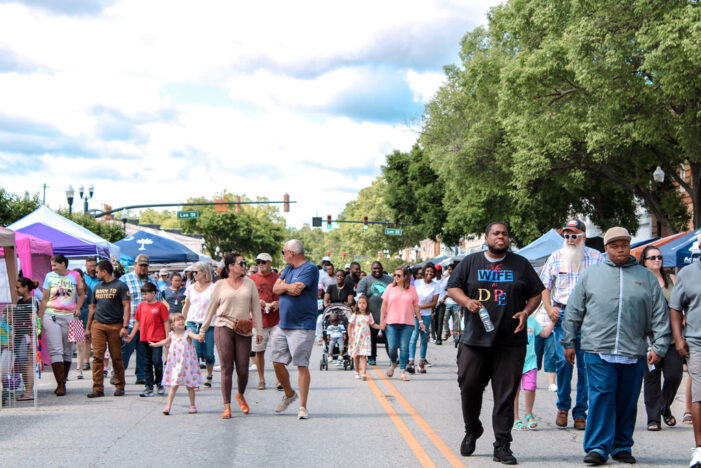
(108, 298)
(503, 288)
(340, 295)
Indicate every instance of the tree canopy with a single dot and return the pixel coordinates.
(14, 207)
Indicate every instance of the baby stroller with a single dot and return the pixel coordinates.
(343, 312)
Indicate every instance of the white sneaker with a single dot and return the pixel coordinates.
(217, 368)
(253, 367)
(302, 413)
(552, 388)
(695, 458)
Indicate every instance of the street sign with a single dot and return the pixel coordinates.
(316, 221)
(393, 232)
(188, 214)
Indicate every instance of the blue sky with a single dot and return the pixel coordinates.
(159, 101)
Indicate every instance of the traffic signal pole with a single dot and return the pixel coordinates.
(162, 205)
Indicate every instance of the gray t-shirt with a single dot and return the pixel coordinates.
(686, 297)
(108, 299)
(373, 288)
(325, 280)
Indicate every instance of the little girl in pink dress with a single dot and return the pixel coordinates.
(182, 367)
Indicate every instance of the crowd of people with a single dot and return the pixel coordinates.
(626, 324)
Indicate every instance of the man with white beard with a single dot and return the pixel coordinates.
(559, 276)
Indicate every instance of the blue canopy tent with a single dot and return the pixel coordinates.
(159, 249)
(678, 252)
(538, 251)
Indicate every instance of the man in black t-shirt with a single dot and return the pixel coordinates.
(509, 288)
(108, 323)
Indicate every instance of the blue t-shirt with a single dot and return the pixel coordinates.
(534, 329)
(299, 312)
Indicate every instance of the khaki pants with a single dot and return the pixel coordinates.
(103, 335)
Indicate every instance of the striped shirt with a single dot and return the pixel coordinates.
(134, 284)
(556, 277)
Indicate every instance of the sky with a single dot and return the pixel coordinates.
(158, 101)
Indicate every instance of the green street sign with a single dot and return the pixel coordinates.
(188, 214)
(393, 232)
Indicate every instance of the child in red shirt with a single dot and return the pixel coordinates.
(152, 321)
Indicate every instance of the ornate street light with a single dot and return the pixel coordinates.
(658, 177)
(69, 196)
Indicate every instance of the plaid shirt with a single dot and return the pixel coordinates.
(134, 284)
(558, 280)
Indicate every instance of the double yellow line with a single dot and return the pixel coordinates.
(409, 438)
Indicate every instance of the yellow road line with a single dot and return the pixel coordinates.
(435, 438)
(409, 438)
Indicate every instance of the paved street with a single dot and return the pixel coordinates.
(353, 423)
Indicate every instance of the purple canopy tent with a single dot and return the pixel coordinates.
(63, 243)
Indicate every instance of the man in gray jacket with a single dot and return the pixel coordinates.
(617, 305)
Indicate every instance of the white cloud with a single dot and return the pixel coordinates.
(319, 92)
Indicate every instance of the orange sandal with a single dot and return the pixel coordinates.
(227, 412)
(242, 403)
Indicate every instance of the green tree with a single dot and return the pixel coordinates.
(14, 207)
(164, 218)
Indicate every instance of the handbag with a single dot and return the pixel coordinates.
(76, 334)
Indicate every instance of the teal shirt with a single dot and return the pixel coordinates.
(534, 329)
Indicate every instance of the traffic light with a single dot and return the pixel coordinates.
(328, 222)
(220, 207)
(365, 222)
(286, 203)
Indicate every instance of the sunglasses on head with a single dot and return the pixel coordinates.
(654, 257)
(572, 236)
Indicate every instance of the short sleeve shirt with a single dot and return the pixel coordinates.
(108, 299)
(264, 285)
(151, 318)
(340, 295)
(533, 329)
(63, 293)
(174, 299)
(199, 302)
(686, 297)
(503, 287)
(400, 305)
(426, 291)
(373, 288)
(299, 312)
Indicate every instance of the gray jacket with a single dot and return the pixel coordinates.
(617, 309)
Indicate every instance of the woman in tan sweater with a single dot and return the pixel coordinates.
(235, 302)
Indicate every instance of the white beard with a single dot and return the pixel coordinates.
(573, 257)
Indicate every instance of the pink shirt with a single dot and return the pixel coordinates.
(400, 304)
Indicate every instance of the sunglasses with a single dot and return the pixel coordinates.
(243, 263)
(654, 257)
(572, 236)
(398, 275)
(283, 252)
(258, 262)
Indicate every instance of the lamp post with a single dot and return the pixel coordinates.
(69, 196)
(658, 177)
(86, 194)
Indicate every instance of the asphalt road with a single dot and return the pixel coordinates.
(380, 422)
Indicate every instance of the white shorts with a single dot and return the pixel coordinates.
(259, 348)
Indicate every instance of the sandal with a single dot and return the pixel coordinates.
(390, 371)
(166, 410)
(402, 376)
(519, 426)
(192, 410)
(242, 404)
(227, 412)
(24, 398)
(687, 418)
(357, 376)
(653, 426)
(670, 420)
(208, 383)
(532, 423)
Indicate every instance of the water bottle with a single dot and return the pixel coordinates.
(486, 321)
(267, 308)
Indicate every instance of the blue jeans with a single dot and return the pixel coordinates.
(128, 350)
(204, 350)
(564, 375)
(426, 319)
(398, 335)
(613, 394)
(545, 353)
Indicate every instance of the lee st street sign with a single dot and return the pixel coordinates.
(393, 232)
(188, 214)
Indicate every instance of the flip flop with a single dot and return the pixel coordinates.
(653, 426)
(519, 426)
(532, 423)
(24, 398)
(687, 418)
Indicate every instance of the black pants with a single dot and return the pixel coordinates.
(153, 363)
(437, 322)
(503, 365)
(373, 344)
(658, 399)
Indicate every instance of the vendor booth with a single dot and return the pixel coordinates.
(159, 249)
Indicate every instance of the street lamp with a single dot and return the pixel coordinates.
(658, 176)
(69, 196)
(86, 194)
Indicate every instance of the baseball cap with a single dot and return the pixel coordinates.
(438, 267)
(141, 259)
(616, 233)
(164, 271)
(575, 225)
(265, 257)
(347, 265)
(326, 259)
